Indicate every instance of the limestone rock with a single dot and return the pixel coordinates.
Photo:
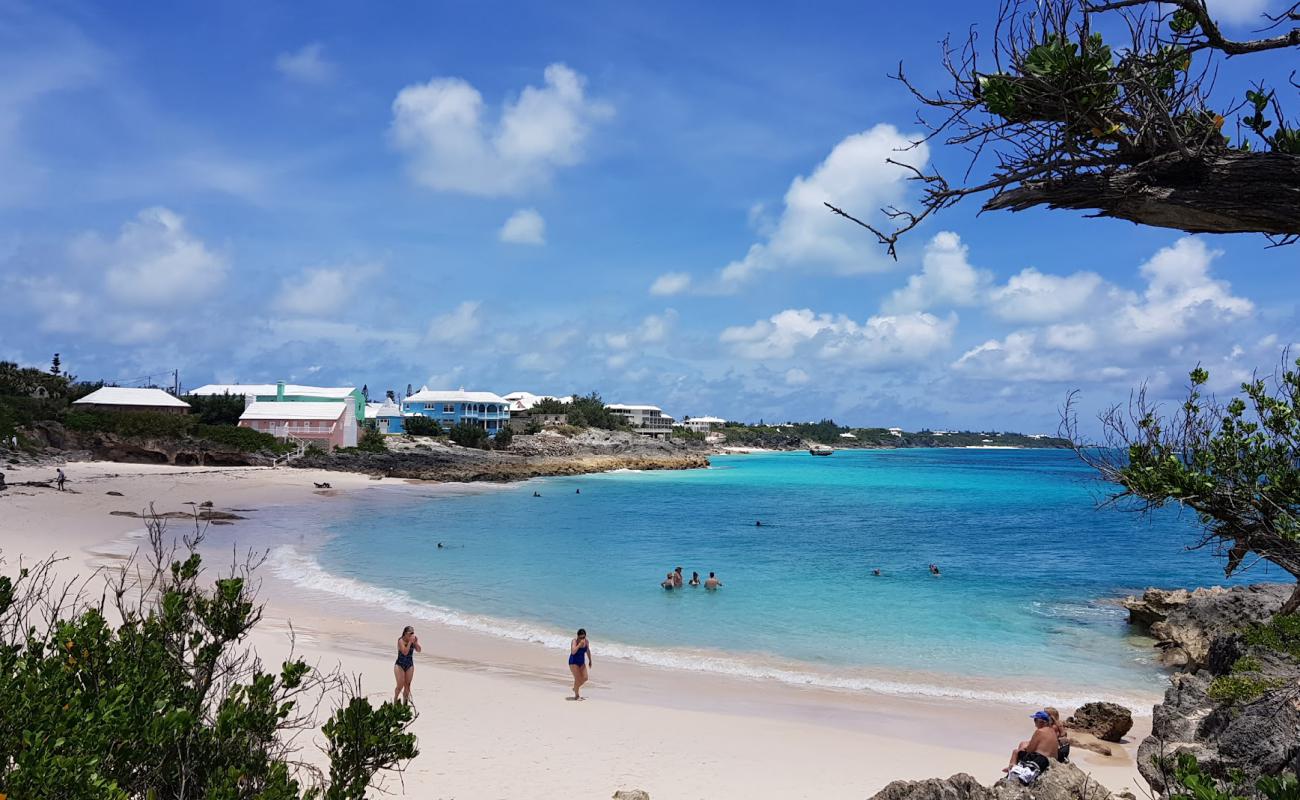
(1107, 721)
(1185, 623)
(631, 794)
(1060, 782)
(959, 787)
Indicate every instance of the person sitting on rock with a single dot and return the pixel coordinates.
(1041, 748)
(1062, 738)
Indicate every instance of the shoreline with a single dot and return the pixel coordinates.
(489, 710)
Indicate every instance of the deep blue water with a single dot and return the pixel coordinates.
(1029, 567)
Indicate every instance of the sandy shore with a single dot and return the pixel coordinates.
(493, 719)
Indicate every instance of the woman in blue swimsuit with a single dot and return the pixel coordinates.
(407, 646)
(579, 661)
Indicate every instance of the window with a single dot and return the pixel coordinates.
(449, 408)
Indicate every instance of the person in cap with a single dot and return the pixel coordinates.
(1040, 749)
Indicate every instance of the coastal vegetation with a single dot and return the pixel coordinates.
(582, 411)
(145, 425)
(421, 426)
(1055, 114)
(150, 692)
(1235, 464)
(794, 435)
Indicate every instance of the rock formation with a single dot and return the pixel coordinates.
(1184, 623)
(1107, 721)
(1060, 782)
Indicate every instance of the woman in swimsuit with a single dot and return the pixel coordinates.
(579, 661)
(408, 644)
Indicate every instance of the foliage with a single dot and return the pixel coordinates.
(216, 409)
(1063, 118)
(1280, 634)
(533, 428)
(150, 424)
(245, 440)
(16, 381)
(467, 434)
(166, 701)
(589, 411)
(1189, 782)
(505, 435)
(372, 441)
(1241, 689)
(422, 426)
(1236, 465)
(688, 435)
(549, 405)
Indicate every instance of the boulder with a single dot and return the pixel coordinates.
(1060, 782)
(1107, 721)
(959, 787)
(1186, 623)
(631, 794)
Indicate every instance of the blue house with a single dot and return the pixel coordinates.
(387, 417)
(452, 407)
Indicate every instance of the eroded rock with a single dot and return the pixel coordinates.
(1107, 721)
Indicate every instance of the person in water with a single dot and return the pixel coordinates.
(439, 545)
(713, 582)
(668, 582)
(876, 572)
(695, 579)
(1040, 749)
(934, 569)
(758, 523)
(408, 644)
(537, 494)
(678, 580)
(579, 661)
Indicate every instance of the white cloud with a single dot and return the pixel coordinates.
(450, 146)
(1238, 12)
(525, 226)
(946, 279)
(153, 262)
(670, 283)
(656, 327)
(307, 64)
(457, 325)
(796, 377)
(1032, 296)
(321, 290)
(880, 341)
(856, 177)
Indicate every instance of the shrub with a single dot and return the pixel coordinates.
(503, 438)
(468, 435)
(245, 440)
(216, 409)
(165, 701)
(372, 441)
(1281, 634)
(422, 426)
(1238, 689)
(139, 424)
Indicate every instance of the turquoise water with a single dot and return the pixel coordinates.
(1024, 607)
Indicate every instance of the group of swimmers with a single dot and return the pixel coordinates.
(676, 581)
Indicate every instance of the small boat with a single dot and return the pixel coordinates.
(820, 450)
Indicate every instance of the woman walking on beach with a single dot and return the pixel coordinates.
(579, 661)
(408, 644)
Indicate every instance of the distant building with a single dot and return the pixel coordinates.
(523, 415)
(327, 424)
(645, 420)
(117, 398)
(702, 424)
(847, 436)
(387, 417)
(453, 407)
(895, 431)
(289, 393)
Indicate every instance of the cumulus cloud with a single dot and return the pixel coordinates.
(153, 262)
(457, 325)
(854, 176)
(670, 283)
(321, 290)
(1181, 306)
(796, 377)
(1238, 12)
(946, 279)
(306, 65)
(656, 327)
(452, 144)
(525, 226)
(883, 340)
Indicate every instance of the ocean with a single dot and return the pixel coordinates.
(1024, 609)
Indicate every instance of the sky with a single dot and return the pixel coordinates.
(570, 197)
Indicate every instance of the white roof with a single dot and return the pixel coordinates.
(291, 410)
(708, 420)
(120, 396)
(264, 389)
(427, 395)
(522, 401)
(847, 436)
(624, 407)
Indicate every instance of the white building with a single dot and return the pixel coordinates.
(895, 431)
(703, 424)
(119, 398)
(645, 420)
(847, 436)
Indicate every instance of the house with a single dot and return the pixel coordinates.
(895, 431)
(290, 393)
(386, 416)
(326, 424)
(703, 424)
(117, 398)
(847, 436)
(645, 420)
(453, 407)
(522, 413)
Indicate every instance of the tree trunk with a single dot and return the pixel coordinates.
(1292, 604)
(1231, 192)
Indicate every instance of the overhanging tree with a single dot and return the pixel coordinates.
(1236, 465)
(1053, 115)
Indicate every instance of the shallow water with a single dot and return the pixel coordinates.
(1023, 609)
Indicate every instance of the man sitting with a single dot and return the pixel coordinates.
(1036, 754)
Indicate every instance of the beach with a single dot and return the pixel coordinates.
(493, 719)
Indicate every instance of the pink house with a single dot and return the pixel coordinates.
(328, 425)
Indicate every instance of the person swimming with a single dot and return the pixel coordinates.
(678, 580)
(439, 545)
(758, 523)
(695, 579)
(537, 494)
(668, 582)
(876, 572)
(934, 569)
(713, 582)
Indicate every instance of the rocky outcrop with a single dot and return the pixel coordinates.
(1107, 721)
(1185, 623)
(1228, 716)
(1060, 782)
(56, 441)
(631, 794)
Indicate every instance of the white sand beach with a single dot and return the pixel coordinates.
(493, 719)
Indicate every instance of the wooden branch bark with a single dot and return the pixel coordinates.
(1232, 192)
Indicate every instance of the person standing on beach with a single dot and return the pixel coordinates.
(408, 644)
(579, 661)
(61, 479)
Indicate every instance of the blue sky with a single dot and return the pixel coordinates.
(566, 197)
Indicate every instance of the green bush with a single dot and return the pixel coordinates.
(162, 702)
(216, 409)
(372, 441)
(1280, 634)
(468, 435)
(422, 426)
(141, 424)
(245, 440)
(503, 438)
(1189, 782)
(1239, 689)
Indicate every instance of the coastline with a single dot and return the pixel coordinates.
(493, 719)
